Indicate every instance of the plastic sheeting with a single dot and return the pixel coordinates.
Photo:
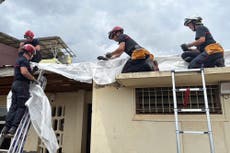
(174, 62)
(102, 72)
(105, 72)
(40, 115)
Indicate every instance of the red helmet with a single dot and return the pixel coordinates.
(29, 48)
(29, 33)
(114, 31)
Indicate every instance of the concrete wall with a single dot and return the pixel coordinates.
(74, 139)
(116, 128)
(8, 55)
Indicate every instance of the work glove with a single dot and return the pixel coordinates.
(184, 47)
(36, 82)
(35, 70)
(108, 55)
(102, 58)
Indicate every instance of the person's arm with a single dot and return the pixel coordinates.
(20, 46)
(37, 47)
(117, 52)
(198, 42)
(27, 74)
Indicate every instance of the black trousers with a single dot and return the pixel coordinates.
(20, 94)
(139, 65)
(197, 60)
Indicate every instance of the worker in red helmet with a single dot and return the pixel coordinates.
(204, 51)
(141, 60)
(29, 39)
(20, 90)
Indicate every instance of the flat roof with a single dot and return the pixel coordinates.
(164, 78)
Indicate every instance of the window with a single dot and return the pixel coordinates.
(3, 112)
(58, 114)
(160, 100)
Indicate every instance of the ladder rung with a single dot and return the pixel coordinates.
(193, 132)
(191, 110)
(191, 89)
(187, 70)
(3, 150)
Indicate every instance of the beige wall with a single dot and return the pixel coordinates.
(116, 128)
(75, 104)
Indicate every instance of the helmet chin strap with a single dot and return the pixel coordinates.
(194, 26)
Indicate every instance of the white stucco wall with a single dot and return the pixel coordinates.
(116, 128)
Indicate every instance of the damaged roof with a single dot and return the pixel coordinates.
(50, 46)
(53, 81)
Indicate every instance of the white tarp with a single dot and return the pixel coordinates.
(102, 72)
(40, 115)
(105, 72)
(173, 62)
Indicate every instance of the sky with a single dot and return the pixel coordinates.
(156, 25)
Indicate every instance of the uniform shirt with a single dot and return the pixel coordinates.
(34, 42)
(130, 44)
(21, 62)
(202, 31)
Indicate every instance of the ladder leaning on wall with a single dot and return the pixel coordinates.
(19, 139)
(205, 110)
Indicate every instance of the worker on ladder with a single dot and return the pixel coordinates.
(207, 53)
(29, 36)
(141, 59)
(20, 90)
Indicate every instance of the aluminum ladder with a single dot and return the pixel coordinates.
(19, 139)
(205, 110)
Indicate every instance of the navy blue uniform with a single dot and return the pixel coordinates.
(202, 58)
(37, 58)
(202, 31)
(20, 94)
(130, 44)
(138, 65)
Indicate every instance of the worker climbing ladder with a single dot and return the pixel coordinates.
(18, 141)
(205, 110)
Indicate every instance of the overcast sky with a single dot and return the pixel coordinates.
(156, 25)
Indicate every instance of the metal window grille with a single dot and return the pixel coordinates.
(160, 100)
(58, 114)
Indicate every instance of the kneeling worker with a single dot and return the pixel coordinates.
(207, 53)
(141, 60)
(20, 90)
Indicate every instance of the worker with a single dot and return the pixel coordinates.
(141, 59)
(20, 90)
(29, 36)
(204, 51)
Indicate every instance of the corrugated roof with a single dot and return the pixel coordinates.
(50, 46)
(53, 81)
(9, 40)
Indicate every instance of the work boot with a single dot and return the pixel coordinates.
(5, 129)
(12, 131)
(220, 62)
(155, 63)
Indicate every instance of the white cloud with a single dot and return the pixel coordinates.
(156, 24)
